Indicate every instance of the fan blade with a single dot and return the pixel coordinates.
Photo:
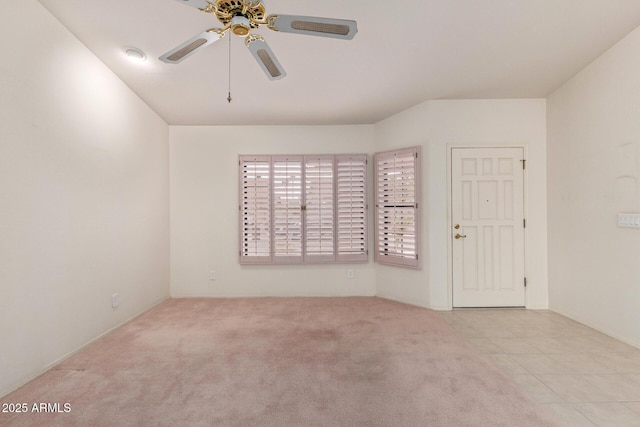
(189, 47)
(265, 57)
(203, 5)
(324, 27)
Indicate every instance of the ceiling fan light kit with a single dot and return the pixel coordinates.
(242, 16)
(240, 25)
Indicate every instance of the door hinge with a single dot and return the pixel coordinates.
(524, 163)
(417, 257)
(524, 223)
(525, 282)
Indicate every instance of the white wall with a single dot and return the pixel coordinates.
(437, 126)
(204, 212)
(83, 196)
(407, 129)
(594, 173)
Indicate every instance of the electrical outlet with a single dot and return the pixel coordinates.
(115, 300)
(212, 275)
(349, 274)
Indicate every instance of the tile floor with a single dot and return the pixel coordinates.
(584, 377)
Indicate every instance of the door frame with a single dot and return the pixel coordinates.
(450, 148)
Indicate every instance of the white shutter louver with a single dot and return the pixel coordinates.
(397, 218)
(287, 209)
(351, 195)
(319, 209)
(255, 210)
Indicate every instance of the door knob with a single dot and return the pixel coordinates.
(460, 236)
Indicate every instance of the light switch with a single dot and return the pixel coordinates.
(629, 220)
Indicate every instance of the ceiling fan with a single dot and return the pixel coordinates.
(242, 16)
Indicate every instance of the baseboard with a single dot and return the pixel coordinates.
(177, 296)
(531, 307)
(410, 302)
(579, 319)
(230, 296)
(56, 362)
(538, 307)
(441, 308)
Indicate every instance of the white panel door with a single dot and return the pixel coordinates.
(487, 235)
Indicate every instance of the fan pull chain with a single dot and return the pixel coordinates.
(229, 97)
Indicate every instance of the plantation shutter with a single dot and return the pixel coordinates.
(255, 209)
(351, 201)
(303, 209)
(287, 209)
(397, 203)
(319, 209)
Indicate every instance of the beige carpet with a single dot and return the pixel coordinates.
(279, 362)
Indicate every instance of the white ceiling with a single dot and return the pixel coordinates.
(405, 52)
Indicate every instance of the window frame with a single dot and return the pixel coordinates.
(385, 202)
(349, 215)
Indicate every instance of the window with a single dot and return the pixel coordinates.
(310, 209)
(397, 174)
